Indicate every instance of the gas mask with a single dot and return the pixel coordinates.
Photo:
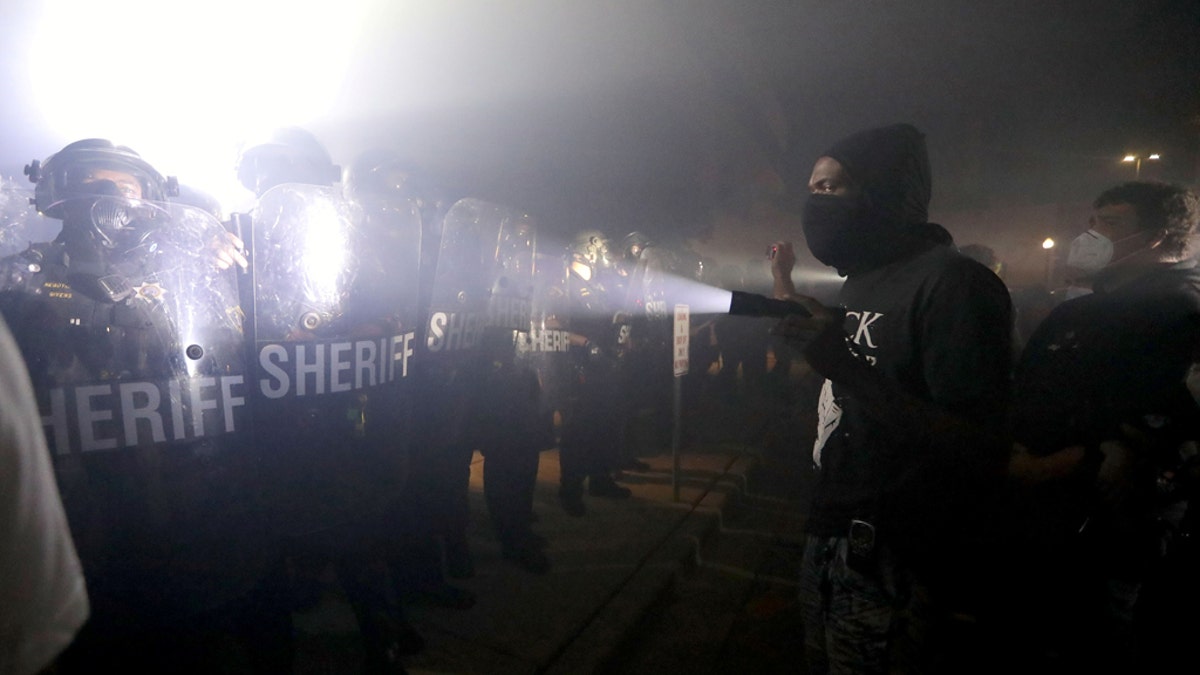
(99, 232)
(112, 218)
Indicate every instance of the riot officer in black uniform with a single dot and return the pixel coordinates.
(646, 372)
(592, 420)
(333, 319)
(506, 412)
(132, 335)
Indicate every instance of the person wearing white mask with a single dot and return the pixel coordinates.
(1105, 376)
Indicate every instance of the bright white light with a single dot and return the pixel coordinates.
(1129, 158)
(808, 275)
(700, 297)
(183, 82)
(1154, 156)
(1048, 244)
(326, 253)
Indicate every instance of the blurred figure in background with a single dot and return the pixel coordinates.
(1107, 375)
(984, 255)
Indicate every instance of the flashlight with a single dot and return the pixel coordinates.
(750, 304)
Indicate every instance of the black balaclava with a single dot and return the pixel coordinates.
(889, 217)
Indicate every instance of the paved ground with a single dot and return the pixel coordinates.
(705, 584)
(636, 586)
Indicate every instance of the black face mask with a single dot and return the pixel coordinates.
(846, 233)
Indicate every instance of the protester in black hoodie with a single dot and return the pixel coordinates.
(916, 358)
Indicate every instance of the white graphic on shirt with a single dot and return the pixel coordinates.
(829, 415)
(862, 334)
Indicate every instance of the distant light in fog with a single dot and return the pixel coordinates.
(183, 82)
(1129, 158)
(1153, 156)
(1048, 244)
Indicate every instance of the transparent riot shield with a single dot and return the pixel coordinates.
(506, 408)
(20, 223)
(482, 279)
(546, 345)
(646, 372)
(463, 279)
(483, 284)
(133, 339)
(333, 319)
(510, 304)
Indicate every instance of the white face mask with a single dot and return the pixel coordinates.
(1090, 252)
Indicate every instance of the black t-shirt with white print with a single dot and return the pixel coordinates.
(939, 325)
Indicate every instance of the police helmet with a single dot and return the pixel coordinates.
(199, 199)
(591, 248)
(288, 155)
(95, 167)
(633, 244)
(381, 174)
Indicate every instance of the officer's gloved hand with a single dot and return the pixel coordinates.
(227, 250)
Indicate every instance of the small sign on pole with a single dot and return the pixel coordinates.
(680, 356)
(682, 330)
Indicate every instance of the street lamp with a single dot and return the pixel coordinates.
(1137, 162)
(1048, 247)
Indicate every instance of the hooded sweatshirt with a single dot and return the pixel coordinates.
(936, 326)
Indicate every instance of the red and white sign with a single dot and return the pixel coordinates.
(682, 330)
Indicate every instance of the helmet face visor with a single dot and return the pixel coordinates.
(112, 219)
(96, 174)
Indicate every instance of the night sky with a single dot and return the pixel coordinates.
(675, 115)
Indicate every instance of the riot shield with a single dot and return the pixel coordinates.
(483, 280)
(132, 337)
(483, 284)
(510, 304)
(334, 334)
(20, 223)
(546, 345)
(646, 371)
(506, 407)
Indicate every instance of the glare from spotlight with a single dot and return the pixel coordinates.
(1048, 243)
(182, 83)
